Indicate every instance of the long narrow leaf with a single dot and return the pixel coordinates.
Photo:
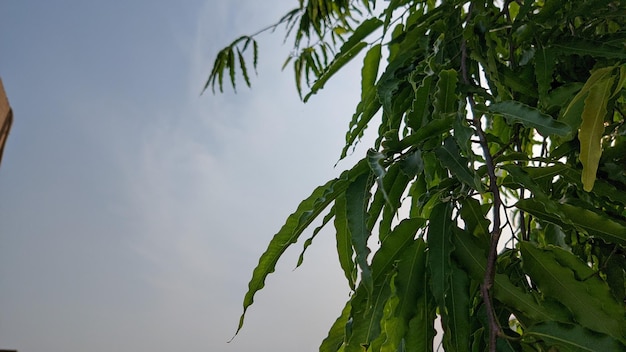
(591, 130)
(445, 93)
(452, 159)
(574, 338)
(344, 243)
(530, 117)
(440, 244)
(457, 319)
(296, 223)
(357, 199)
(474, 261)
(340, 60)
(557, 273)
(595, 224)
(337, 333)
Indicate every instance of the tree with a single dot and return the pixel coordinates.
(496, 120)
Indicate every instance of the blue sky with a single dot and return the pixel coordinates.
(132, 208)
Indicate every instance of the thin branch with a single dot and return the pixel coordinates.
(494, 327)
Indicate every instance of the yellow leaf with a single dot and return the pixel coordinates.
(592, 129)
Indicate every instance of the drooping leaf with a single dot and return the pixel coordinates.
(595, 49)
(368, 309)
(558, 275)
(296, 223)
(457, 317)
(474, 261)
(530, 117)
(357, 198)
(348, 51)
(452, 159)
(569, 216)
(417, 117)
(440, 244)
(572, 338)
(369, 72)
(475, 218)
(571, 114)
(340, 60)
(544, 67)
(392, 326)
(433, 129)
(411, 279)
(397, 185)
(445, 93)
(366, 28)
(337, 333)
(592, 129)
(375, 160)
(309, 241)
(242, 67)
(344, 241)
(390, 250)
(369, 104)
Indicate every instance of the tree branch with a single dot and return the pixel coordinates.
(494, 327)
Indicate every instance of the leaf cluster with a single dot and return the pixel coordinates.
(496, 186)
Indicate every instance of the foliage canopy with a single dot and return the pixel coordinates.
(495, 120)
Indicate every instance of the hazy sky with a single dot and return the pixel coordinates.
(132, 208)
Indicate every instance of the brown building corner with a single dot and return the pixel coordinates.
(6, 119)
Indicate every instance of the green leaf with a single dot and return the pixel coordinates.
(344, 242)
(440, 245)
(452, 159)
(357, 198)
(445, 93)
(595, 224)
(592, 129)
(530, 117)
(296, 223)
(338, 62)
(574, 108)
(368, 311)
(457, 317)
(309, 240)
(411, 279)
(421, 332)
(242, 66)
(559, 274)
(369, 105)
(337, 333)
(573, 338)
(392, 325)
(366, 28)
(474, 261)
(396, 182)
(368, 308)
(595, 49)
(475, 218)
(418, 116)
(544, 66)
(433, 129)
(369, 72)
(375, 160)
(394, 245)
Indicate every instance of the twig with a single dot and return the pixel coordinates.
(494, 327)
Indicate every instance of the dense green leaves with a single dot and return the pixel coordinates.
(570, 337)
(564, 277)
(494, 119)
